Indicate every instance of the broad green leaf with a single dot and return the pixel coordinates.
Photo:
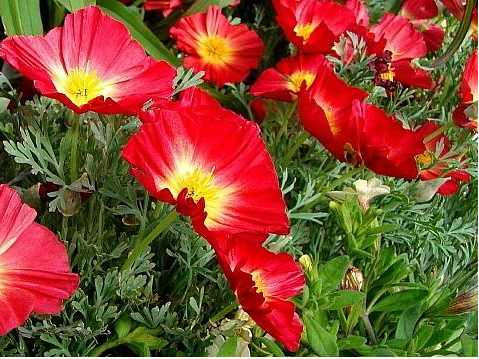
(423, 335)
(21, 17)
(202, 5)
(406, 323)
(72, 5)
(228, 349)
(439, 336)
(332, 273)
(352, 342)
(343, 298)
(139, 30)
(319, 338)
(401, 300)
(468, 346)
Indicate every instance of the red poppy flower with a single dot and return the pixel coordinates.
(358, 133)
(34, 270)
(310, 25)
(225, 52)
(439, 167)
(360, 11)
(263, 283)
(259, 110)
(468, 94)
(284, 81)
(323, 113)
(167, 6)
(419, 9)
(212, 164)
(91, 64)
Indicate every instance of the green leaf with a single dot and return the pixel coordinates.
(439, 336)
(352, 342)
(401, 300)
(228, 349)
(407, 321)
(423, 335)
(72, 5)
(272, 346)
(332, 273)
(139, 30)
(468, 346)
(21, 17)
(319, 338)
(202, 5)
(343, 298)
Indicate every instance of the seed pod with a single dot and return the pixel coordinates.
(353, 279)
(466, 302)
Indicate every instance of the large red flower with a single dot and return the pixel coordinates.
(313, 26)
(212, 164)
(225, 52)
(432, 167)
(34, 270)
(90, 64)
(468, 94)
(284, 81)
(263, 283)
(355, 132)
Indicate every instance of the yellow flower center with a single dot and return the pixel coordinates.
(200, 184)
(81, 85)
(297, 78)
(305, 30)
(258, 282)
(389, 74)
(424, 159)
(214, 50)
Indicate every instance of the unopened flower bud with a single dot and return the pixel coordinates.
(466, 302)
(306, 263)
(353, 279)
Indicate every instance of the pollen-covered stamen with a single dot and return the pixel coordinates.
(214, 50)
(259, 283)
(425, 159)
(305, 30)
(296, 79)
(81, 85)
(388, 75)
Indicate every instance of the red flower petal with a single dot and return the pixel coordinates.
(419, 9)
(34, 269)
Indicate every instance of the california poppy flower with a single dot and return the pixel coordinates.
(284, 81)
(310, 26)
(263, 283)
(433, 166)
(34, 269)
(212, 164)
(91, 63)
(166, 6)
(468, 94)
(225, 52)
(355, 132)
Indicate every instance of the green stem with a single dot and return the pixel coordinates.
(140, 247)
(111, 343)
(221, 314)
(459, 37)
(344, 177)
(75, 129)
(437, 132)
(289, 155)
(369, 329)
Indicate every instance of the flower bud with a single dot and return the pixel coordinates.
(306, 263)
(353, 279)
(466, 302)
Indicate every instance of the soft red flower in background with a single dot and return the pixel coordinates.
(468, 94)
(226, 53)
(263, 283)
(259, 110)
(360, 11)
(309, 24)
(420, 12)
(404, 44)
(34, 269)
(438, 167)
(284, 81)
(91, 64)
(457, 9)
(168, 6)
(212, 164)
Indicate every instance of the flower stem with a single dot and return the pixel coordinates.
(105, 346)
(459, 37)
(220, 315)
(140, 247)
(75, 130)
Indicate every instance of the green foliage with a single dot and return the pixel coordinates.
(21, 17)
